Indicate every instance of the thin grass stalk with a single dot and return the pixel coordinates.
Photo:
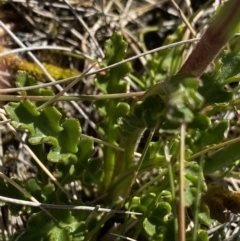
(182, 218)
(173, 190)
(197, 203)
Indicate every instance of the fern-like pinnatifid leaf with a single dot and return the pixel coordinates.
(112, 82)
(23, 79)
(42, 227)
(226, 71)
(44, 127)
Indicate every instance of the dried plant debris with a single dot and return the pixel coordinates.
(221, 201)
(66, 38)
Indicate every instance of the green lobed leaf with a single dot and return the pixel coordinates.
(212, 91)
(68, 138)
(44, 127)
(200, 121)
(182, 103)
(204, 218)
(190, 195)
(34, 188)
(148, 112)
(93, 173)
(115, 49)
(193, 174)
(202, 235)
(7, 190)
(136, 205)
(85, 151)
(230, 67)
(213, 135)
(170, 231)
(226, 71)
(155, 152)
(147, 199)
(112, 109)
(160, 213)
(149, 227)
(76, 168)
(41, 227)
(23, 79)
(48, 193)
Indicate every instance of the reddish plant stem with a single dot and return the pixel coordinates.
(220, 30)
